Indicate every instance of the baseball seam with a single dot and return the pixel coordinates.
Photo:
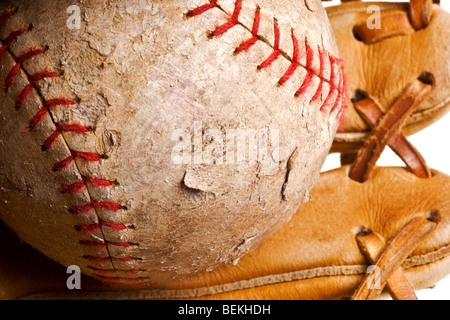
(336, 82)
(103, 274)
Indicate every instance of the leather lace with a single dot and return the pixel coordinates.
(386, 259)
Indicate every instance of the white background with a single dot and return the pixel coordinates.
(434, 144)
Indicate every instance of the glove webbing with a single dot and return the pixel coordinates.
(387, 269)
(418, 17)
(387, 131)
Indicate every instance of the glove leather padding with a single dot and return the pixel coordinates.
(313, 256)
(384, 68)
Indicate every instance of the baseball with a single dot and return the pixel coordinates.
(148, 140)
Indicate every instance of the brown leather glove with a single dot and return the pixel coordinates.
(380, 61)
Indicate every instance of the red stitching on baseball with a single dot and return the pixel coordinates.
(89, 228)
(310, 72)
(343, 95)
(98, 182)
(250, 42)
(120, 244)
(45, 109)
(340, 91)
(103, 245)
(276, 51)
(203, 8)
(12, 36)
(332, 82)
(63, 128)
(74, 187)
(107, 205)
(33, 80)
(294, 61)
(89, 156)
(80, 185)
(97, 245)
(322, 55)
(19, 60)
(5, 16)
(220, 30)
(62, 164)
(113, 271)
(83, 209)
(114, 226)
(107, 259)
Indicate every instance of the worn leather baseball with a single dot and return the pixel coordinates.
(101, 97)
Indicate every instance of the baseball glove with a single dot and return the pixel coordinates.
(385, 47)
